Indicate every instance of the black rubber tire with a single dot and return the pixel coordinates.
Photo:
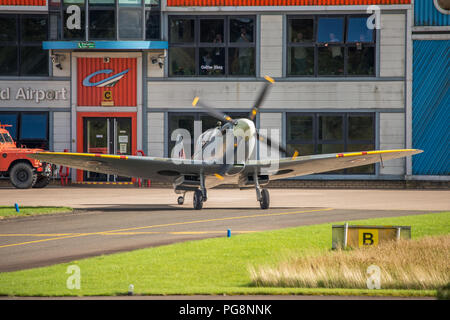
(42, 181)
(22, 176)
(264, 203)
(198, 199)
(180, 200)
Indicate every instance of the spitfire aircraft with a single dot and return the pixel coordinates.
(211, 166)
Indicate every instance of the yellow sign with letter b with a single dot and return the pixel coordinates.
(367, 237)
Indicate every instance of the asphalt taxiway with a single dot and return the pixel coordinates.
(108, 220)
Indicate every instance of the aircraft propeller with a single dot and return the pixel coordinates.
(255, 110)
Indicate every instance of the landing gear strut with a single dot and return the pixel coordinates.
(264, 202)
(200, 195)
(262, 195)
(198, 199)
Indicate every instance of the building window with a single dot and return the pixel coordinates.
(21, 52)
(320, 133)
(186, 121)
(107, 19)
(330, 46)
(29, 129)
(212, 46)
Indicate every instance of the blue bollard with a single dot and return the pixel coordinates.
(17, 207)
(228, 233)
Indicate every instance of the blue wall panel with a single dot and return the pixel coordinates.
(426, 14)
(431, 107)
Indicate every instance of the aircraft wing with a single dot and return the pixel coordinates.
(305, 165)
(154, 168)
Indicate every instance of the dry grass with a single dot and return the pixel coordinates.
(408, 264)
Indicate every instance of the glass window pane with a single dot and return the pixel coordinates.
(74, 33)
(330, 148)
(331, 60)
(304, 149)
(369, 169)
(358, 31)
(102, 2)
(241, 30)
(181, 30)
(300, 128)
(241, 61)
(8, 60)
(211, 30)
(34, 61)
(34, 28)
(130, 23)
(301, 61)
(8, 28)
(34, 126)
(130, 3)
(11, 119)
(182, 61)
(361, 61)
(330, 30)
(152, 3)
(360, 128)
(181, 122)
(212, 61)
(208, 122)
(102, 24)
(330, 128)
(301, 30)
(68, 2)
(152, 25)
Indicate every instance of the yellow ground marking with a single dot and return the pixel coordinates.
(164, 225)
(173, 232)
(218, 176)
(38, 234)
(118, 233)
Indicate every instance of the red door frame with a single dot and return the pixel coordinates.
(80, 130)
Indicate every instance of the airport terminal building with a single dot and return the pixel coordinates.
(119, 76)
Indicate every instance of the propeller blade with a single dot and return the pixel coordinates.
(213, 112)
(269, 142)
(261, 97)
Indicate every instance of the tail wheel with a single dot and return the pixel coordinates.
(180, 200)
(265, 199)
(198, 199)
(22, 176)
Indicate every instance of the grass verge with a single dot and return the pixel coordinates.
(211, 266)
(10, 211)
(422, 264)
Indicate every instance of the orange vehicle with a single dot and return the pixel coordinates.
(23, 172)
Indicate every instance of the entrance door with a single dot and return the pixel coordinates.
(107, 136)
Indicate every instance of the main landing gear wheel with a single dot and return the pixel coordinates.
(264, 202)
(198, 199)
